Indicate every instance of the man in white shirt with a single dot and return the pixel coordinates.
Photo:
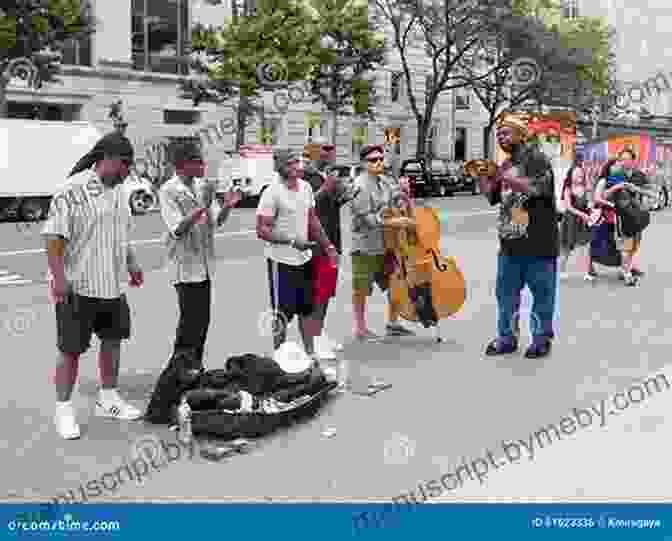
(191, 215)
(87, 236)
(287, 221)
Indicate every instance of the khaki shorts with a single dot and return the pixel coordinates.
(368, 270)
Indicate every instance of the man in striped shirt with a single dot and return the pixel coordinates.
(88, 252)
(191, 215)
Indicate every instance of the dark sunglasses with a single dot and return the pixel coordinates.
(328, 148)
(376, 160)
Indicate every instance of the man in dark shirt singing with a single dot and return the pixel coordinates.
(528, 231)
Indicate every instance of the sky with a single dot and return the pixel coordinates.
(643, 44)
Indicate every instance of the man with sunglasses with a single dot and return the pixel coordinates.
(330, 196)
(88, 255)
(190, 214)
(377, 193)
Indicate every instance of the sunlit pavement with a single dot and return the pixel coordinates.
(448, 403)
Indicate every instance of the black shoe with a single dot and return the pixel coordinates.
(637, 273)
(538, 349)
(499, 347)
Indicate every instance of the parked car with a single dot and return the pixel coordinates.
(141, 194)
(422, 184)
(458, 180)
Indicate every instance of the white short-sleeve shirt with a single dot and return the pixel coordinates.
(290, 209)
(96, 222)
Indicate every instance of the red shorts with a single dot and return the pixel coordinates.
(325, 278)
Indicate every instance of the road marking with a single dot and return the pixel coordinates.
(244, 233)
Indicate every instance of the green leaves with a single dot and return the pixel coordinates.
(30, 27)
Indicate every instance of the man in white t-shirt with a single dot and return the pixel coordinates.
(287, 221)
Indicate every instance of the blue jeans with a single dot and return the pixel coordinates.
(539, 274)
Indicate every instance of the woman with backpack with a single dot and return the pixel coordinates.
(574, 228)
(624, 210)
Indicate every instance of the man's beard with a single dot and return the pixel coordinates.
(111, 181)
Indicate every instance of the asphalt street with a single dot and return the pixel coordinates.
(448, 403)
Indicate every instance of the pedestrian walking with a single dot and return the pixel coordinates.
(330, 196)
(622, 208)
(529, 245)
(191, 214)
(575, 232)
(87, 236)
(377, 193)
(287, 221)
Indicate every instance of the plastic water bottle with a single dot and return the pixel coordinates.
(184, 433)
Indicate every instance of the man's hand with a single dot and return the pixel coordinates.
(60, 289)
(329, 185)
(333, 256)
(137, 277)
(401, 222)
(304, 245)
(231, 199)
(199, 215)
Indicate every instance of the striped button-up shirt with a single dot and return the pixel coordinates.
(96, 222)
(190, 255)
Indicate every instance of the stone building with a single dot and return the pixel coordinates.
(134, 56)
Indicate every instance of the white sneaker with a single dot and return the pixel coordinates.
(331, 344)
(564, 276)
(118, 410)
(66, 424)
(322, 349)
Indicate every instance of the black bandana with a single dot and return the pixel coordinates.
(113, 144)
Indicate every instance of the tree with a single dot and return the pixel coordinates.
(271, 44)
(568, 63)
(451, 33)
(351, 49)
(32, 35)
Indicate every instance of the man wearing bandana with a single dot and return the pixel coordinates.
(528, 231)
(89, 254)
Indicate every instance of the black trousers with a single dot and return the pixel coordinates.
(192, 329)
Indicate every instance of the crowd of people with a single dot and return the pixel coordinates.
(299, 220)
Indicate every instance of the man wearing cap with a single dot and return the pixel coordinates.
(524, 188)
(330, 196)
(288, 222)
(376, 194)
(191, 215)
(88, 253)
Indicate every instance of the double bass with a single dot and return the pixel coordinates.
(426, 285)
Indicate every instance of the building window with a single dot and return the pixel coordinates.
(462, 99)
(181, 117)
(43, 111)
(160, 35)
(77, 52)
(269, 132)
(460, 153)
(316, 127)
(570, 9)
(397, 85)
(359, 139)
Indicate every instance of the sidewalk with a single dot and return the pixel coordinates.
(447, 401)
